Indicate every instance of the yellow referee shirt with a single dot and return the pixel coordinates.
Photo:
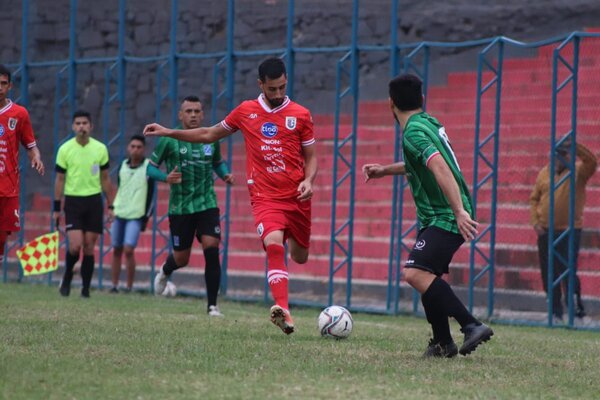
(81, 166)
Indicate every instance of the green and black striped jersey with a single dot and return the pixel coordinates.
(195, 161)
(423, 138)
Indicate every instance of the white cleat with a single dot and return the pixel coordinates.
(160, 282)
(213, 311)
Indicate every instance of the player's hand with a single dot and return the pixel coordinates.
(38, 165)
(306, 191)
(540, 230)
(372, 171)
(110, 215)
(466, 225)
(155, 130)
(174, 177)
(229, 179)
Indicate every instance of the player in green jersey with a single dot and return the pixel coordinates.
(444, 212)
(193, 209)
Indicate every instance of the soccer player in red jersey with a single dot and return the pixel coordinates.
(281, 167)
(15, 128)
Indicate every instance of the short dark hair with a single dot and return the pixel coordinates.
(406, 92)
(82, 113)
(5, 71)
(141, 138)
(271, 68)
(192, 99)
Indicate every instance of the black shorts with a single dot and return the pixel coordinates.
(84, 213)
(434, 250)
(184, 227)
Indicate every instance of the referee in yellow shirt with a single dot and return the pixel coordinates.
(82, 175)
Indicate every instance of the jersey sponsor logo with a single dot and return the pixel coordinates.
(183, 150)
(420, 245)
(268, 129)
(260, 229)
(290, 123)
(175, 240)
(208, 150)
(2, 163)
(1, 130)
(12, 123)
(253, 116)
(95, 169)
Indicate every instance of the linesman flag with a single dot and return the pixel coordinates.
(40, 255)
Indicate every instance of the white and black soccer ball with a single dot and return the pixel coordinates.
(170, 290)
(335, 322)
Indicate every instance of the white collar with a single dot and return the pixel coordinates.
(6, 107)
(267, 108)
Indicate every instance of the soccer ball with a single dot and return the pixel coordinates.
(335, 322)
(170, 290)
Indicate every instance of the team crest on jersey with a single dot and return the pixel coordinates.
(290, 123)
(268, 129)
(12, 123)
(208, 150)
(183, 150)
(1, 130)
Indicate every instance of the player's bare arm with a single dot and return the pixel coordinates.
(443, 176)
(195, 135)
(108, 191)
(36, 160)
(305, 189)
(59, 187)
(374, 171)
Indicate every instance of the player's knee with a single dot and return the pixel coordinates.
(411, 276)
(300, 257)
(181, 260)
(128, 251)
(117, 251)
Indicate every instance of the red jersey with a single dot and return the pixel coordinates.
(15, 127)
(274, 141)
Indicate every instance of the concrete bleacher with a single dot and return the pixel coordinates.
(523, 150)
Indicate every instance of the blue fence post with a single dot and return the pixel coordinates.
(290, 52)
(491, 176)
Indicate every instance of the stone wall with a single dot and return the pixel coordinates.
(260, 25)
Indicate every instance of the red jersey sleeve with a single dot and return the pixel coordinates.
(25, 130)
(232, 121)
(307, 135)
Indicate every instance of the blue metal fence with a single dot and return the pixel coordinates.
(412, 57)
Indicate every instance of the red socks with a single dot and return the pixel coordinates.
(278, 276)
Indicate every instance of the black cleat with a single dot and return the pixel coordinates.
(474, 336)
(114, 290)
(85, 293)
(440, 350)
(64, 289)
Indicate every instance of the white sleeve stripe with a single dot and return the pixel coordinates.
(224, 125)
(437, 153)
(309, 142)
(31, 145)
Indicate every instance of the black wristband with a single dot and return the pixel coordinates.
(57, 205)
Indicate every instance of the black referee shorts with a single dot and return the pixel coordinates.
(84, 213)
(185, 227)
(434, 250)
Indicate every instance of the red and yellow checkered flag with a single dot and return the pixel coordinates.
(40, 255)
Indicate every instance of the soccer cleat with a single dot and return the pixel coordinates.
(85, 293)
(213, 311)
(64, 289)
(114, 290)
(474, 336)
(440, 350)
(282, 318)
(160, 282)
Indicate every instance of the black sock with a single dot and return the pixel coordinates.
(437, 318)
(212, 274)
(70, 261)
(87, 271)
(170, 265)
(441, 293)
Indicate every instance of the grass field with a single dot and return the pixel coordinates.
(140, 347)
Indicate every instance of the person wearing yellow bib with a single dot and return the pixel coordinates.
(133, 207)
(82, 175)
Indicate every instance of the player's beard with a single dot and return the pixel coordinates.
(275, 102)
